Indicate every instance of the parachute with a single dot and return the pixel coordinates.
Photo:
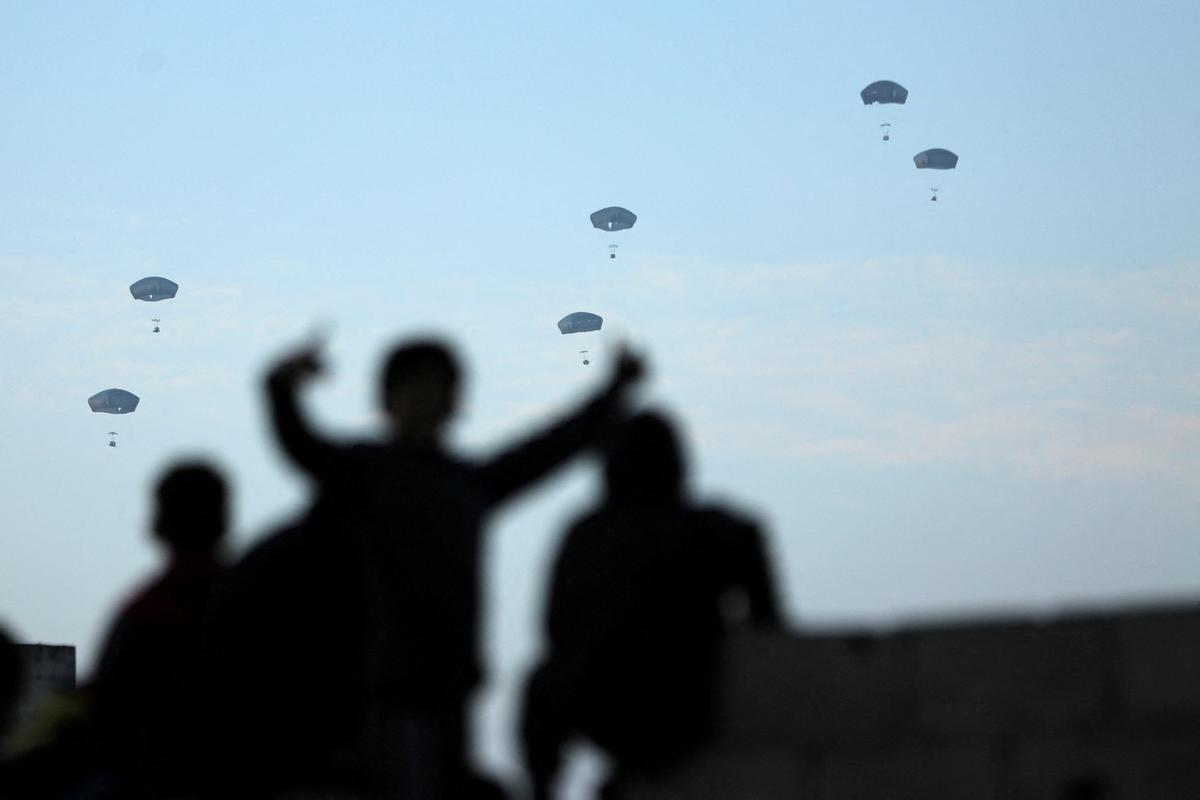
(153, 289)
(884, 92)
(937, 158)
(114, 401)
(580, 322)
(613, 218)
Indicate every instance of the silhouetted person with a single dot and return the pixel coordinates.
(11, 677)
(275, 700)
(415, 512)
(638, 602)
(10, 681)
(136, 682)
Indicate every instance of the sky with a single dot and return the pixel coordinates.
(987, 404)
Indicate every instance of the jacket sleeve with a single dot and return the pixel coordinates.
(313, 455)
(527, 461)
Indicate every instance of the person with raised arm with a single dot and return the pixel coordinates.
(417, 512)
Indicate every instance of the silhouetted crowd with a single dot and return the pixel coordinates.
(338, 656)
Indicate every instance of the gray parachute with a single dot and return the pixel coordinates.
(937, 158)
(153, 289)
(580, 322)
(884, 92)
(613, 218)
(113, 401)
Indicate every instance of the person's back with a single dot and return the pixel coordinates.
(635, 612)
(639, 597)
(274, 697)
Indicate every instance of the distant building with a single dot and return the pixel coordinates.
(1102, 705)
(46, 670)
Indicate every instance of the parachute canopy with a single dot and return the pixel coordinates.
(884, 92)
(580, 322)
(937, 158)
(153, 289)
(113, 401)
(613, 218)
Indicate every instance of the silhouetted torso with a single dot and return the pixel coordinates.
(638, 601)
(139, 669)
(419, 513)
(635, 611)
(156, 628)
(275, 698)
(423, 512)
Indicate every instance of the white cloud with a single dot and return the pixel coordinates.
(1083, 395)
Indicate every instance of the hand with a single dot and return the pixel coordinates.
(298, 366)
(628, 369)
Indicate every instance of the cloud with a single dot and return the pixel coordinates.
(1103, 390)
(1076, 373)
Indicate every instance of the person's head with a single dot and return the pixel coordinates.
(419, 388)
(645, 463)
(191, 508)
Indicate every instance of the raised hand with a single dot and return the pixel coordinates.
(298, 366)
(628, 369)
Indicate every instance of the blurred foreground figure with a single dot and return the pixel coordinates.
(10, 681)
(120, 735)
(273, 699)
(411, 515)
(135, 687)
(641, 591)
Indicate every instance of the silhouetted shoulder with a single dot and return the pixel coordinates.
(175, 598)
(723, 527)
(587, 520)
(584, 535)
(718, 516)
(733, 543)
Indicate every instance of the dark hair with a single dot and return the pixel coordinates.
(645, 462)
(421, 356)
(192, 510)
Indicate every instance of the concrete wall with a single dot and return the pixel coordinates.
(1090, 706)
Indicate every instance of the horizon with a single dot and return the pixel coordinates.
(936, 409)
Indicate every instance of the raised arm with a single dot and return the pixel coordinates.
(523, 464)
(310, 453)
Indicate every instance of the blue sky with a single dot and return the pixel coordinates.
(987, 403)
